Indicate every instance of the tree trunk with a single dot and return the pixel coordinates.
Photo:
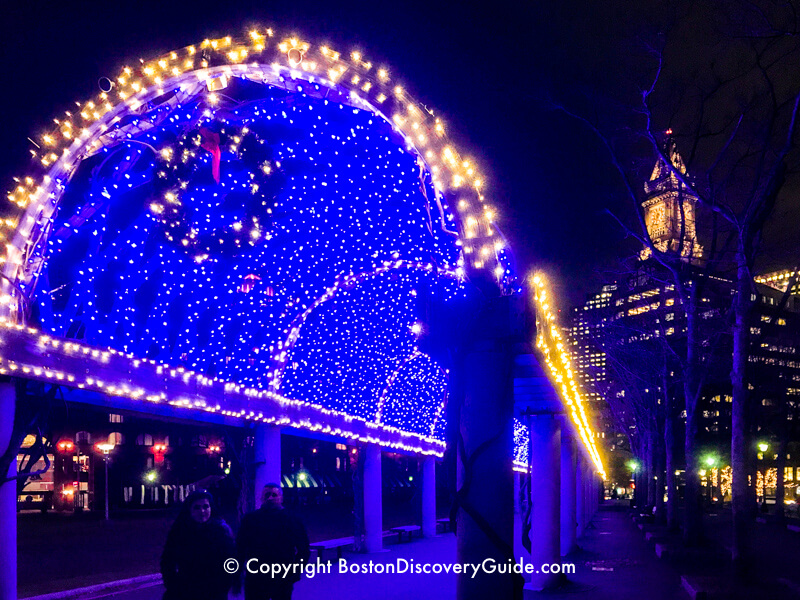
(739, 445)
(669, 457)
(693, 510)
(651, 470)
(783, 446)
(659, 483)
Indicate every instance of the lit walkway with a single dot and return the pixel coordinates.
(334, 586)
(614, 562)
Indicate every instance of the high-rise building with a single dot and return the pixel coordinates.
(585, 333)
(640, 319)
(780, 280)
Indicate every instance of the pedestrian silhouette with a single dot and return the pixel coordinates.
(272, 536)
(198, 544)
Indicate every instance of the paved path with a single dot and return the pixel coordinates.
(614, 562)
(336, 586)
(83, 550)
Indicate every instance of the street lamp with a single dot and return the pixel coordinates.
(711, 461)
(763, 446)
(105, 448)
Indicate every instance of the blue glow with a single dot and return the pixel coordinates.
(521, 442)
(151, 255)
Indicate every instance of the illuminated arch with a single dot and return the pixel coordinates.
(144, 98)
(280, 357)
(393, 378)
(264, 57)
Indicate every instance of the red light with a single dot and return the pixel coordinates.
(66, 446)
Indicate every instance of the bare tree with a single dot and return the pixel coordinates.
(734, 112)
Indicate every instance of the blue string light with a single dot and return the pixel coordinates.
(152, 255)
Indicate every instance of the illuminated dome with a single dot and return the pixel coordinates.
(261, 211)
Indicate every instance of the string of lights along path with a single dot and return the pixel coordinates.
(260, 211)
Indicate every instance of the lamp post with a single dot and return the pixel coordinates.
(105, 448)
(633, 466)
(762, 455)
(711, 461)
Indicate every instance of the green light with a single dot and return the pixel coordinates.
(763, 446)
(301, 476)
(711, 461)
(411, 478)
(227, 471)
(151, 476)
(633, 465)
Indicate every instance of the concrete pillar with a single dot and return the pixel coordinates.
(8, 498)
(517, 515)
(568, 517)
(520, 509)
(588, 491)
(373, 501)
(486, 427)
(546, 505)
(267, 458)
(580, 497)
(429, 496)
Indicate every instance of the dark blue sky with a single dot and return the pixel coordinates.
(486, 67)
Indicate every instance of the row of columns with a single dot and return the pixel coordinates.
(563, 495)
(268, 470)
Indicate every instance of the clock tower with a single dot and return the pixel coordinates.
(669, 208)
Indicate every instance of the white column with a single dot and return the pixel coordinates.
(580, 497)
(373, 501)
(429, 496)
(8, 498)
(517, 516)
(568, 521)
(588, 487)
(267, 459)
(546, 490)
(482, 382)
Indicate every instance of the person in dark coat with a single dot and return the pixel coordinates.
(197, 546)
(271, 535)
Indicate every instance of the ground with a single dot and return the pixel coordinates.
(614, 561)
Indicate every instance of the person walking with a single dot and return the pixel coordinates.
(272, 535)
(197, 546)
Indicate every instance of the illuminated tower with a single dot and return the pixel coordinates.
(669, 209)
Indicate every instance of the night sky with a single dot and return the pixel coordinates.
(489, 69)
